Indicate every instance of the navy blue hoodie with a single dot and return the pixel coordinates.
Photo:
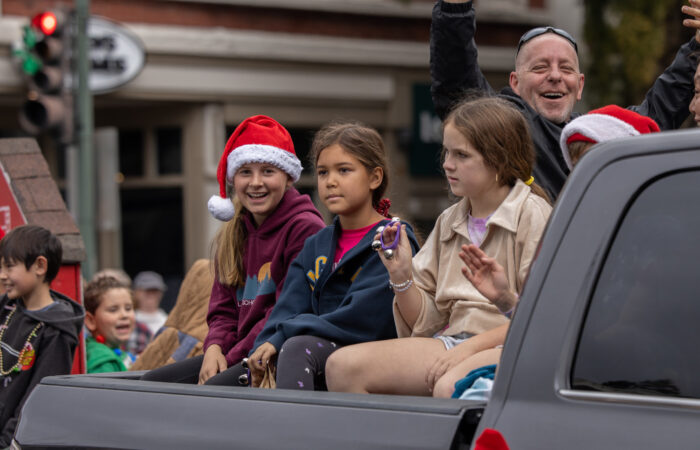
(348, 305)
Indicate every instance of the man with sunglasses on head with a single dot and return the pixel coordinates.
(546, 83)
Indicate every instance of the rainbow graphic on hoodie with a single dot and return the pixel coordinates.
(256, 285)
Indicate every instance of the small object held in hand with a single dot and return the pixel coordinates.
(376, 245)
(244, 363)
(389, 249)
(243, 379)
(380, 229)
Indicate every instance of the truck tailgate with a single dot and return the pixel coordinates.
(116, 412)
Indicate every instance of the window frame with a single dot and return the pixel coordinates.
(593, 293)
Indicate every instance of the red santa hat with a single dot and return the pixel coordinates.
(258, 139)
(602, 125)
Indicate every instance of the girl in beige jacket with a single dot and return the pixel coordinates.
(441, 318)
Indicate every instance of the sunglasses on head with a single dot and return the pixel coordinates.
(539, 31)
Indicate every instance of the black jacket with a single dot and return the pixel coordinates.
(54, 347)
(454, 69)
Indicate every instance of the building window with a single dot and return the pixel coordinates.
(131, 152)
(169, 149)
(639, 335)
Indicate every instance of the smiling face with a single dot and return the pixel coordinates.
(344, 184)
(547, 77)
(260, 187)
(113, 318)
(464, 166)
(694, 106)
(19, 281)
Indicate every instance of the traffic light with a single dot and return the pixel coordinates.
(45, 63)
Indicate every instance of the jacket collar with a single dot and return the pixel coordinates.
(363, 244)
(506, 215)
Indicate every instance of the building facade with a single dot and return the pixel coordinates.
(211, 63)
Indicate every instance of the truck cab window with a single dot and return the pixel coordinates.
(640, 331)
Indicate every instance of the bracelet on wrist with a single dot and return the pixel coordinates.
(401, 287)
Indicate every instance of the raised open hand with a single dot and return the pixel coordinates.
(488, 277)
(693, 9)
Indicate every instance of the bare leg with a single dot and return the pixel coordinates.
(445, 386)
(396, 366)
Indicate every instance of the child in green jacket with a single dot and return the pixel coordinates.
(109, 317)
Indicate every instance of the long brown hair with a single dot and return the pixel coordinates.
(229, 246)
(500, 133)
(362, 142)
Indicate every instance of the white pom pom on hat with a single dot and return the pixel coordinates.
(258, 139)
(602, 125)
(221, 208)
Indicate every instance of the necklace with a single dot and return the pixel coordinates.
(26, 356)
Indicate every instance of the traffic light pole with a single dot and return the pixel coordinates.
(85, 125)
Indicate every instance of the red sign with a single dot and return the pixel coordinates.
(10, 214)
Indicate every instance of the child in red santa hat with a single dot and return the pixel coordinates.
(601, 125)
(267, 222)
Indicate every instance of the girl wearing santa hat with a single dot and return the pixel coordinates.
(267, 222)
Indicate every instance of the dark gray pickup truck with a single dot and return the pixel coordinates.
(602, 352)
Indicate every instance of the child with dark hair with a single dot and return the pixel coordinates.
(39, 327)
(109, 315)
(337, 290)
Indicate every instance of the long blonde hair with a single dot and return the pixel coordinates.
(228, 248)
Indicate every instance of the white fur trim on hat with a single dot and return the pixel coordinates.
(221, 208)
(598, 127)
(260, 153)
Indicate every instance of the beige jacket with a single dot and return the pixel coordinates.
(513, 232)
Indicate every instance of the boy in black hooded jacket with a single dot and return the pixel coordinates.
(39, 328)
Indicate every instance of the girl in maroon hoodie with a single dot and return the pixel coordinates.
(263, 233)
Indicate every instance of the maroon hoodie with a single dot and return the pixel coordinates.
(237, 314)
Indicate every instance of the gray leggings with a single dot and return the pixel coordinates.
(301, 363)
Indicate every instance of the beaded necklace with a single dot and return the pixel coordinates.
(25, 360)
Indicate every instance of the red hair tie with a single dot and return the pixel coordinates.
(383, 207)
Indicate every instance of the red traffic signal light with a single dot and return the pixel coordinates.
(49, 103)
(46, 22)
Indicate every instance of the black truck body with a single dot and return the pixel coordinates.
(601, 353)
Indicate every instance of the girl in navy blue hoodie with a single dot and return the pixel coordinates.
(337, 291)
(254, 248)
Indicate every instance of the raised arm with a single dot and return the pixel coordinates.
(668, 99)
(453, 54)
(400, 268)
